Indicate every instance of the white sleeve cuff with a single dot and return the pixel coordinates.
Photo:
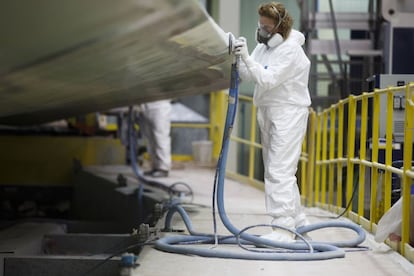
(250, 62)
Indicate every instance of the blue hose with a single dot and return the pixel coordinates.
(298, 251)
(133, 159)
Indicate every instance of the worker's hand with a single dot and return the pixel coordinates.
(240, 48)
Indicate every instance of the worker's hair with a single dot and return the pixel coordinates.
(280, 16)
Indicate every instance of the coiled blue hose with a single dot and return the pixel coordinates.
(298, 251)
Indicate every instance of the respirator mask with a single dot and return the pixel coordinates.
(262, 34)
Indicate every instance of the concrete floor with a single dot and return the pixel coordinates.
(245, 206)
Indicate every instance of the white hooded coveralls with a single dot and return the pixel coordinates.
(280, 72)
(155, 124)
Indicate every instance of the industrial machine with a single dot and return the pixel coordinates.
(383, 81)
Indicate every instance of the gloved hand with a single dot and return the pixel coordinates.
(240, 48)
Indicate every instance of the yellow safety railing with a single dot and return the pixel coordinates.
(337, 156)
(339, 160)
(408, 171)
(215, 126)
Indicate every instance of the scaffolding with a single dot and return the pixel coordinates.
(343, 45)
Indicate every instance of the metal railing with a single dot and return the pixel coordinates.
(332, 158)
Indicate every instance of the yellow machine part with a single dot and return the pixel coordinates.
(49, 160)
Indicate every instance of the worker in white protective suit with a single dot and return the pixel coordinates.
(155, 125)
(279, 68)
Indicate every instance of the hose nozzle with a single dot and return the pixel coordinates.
(232, 40)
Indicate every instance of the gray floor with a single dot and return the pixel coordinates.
(22, 244)
(245, 206)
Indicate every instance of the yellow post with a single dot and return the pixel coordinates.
(218, 109)
(252, 141)
(332, 143)
(340, 151)
(406, 180)
(362, 155)
(303, 168)
(388, 152)
(324, 155)
(311, 159)
(318, 158)
(350, 149)
(374, 158)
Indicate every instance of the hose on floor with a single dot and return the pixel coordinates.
(300, 250)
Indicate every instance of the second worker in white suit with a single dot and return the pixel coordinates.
(155, 124)
(280, 69)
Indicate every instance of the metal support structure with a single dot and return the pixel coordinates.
(362, 52)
